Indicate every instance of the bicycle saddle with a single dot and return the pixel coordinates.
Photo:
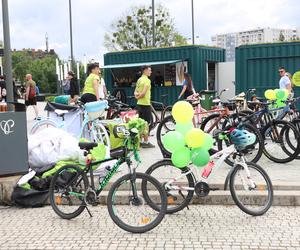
(87, 145)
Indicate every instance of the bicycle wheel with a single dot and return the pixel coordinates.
(100, 134)
(40, 125)
(212, 122)
(67, 191)
(251, 189)
(177, 199)
(276, 144)
(127, 204)
(167, 111)
(166, 125)
(252, 153)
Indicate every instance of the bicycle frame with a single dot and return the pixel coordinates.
(220, 157)
(110, 174)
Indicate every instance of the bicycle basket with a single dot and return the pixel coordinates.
(95, 109)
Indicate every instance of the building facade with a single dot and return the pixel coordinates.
(264, 35)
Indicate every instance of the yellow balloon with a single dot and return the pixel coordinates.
(182, 112)
(270, 94)
(195, 138)
(296, 79)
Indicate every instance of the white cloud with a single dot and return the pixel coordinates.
(31, 19)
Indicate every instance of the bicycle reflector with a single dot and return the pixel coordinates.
(242, 138)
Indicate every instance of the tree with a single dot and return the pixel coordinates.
(40, 65)
(134, 31)
(281, 37)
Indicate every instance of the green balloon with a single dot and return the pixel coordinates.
(181, 157)
(280, 104)
(208, 142)
(183, 128)
(200, 157)
(173, 140)
(280, 94)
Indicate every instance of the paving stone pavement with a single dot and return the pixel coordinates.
(201, 227)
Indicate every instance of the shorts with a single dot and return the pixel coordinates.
(31, 102)
(85, 98)
(145, 112)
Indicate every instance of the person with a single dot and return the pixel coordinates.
(74, 88)
(91, 85)
(285, 82)
(2, 89)
(30, 95)
(66, 86)
(289, 75)
(143, 95)
(159, 79)
(102, 88)
(188, 87)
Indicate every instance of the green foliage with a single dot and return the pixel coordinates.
(42, 69)
(134, 31)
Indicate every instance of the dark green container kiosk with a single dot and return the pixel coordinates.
(121, 69)
(257, 65)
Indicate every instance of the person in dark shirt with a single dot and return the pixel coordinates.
(159, 79)
(74, 90)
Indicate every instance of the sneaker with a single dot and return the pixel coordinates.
(147, 145)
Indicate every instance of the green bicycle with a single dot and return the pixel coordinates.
(73, 188)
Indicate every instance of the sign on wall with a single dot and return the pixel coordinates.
(181, 68)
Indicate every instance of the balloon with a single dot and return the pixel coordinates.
(183, 128)
(208, 141)
(280, 94)
(182, 112)
(270, 94)
(200, 157)
(194, 138)
(181, 157)
(280, 104)
(296, 78)
(173, 140)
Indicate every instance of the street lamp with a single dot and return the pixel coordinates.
(7, 55)
(71, 34)
(193, 28)
(153, 24)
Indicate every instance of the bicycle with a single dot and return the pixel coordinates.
(278, 135)
(91, 127)
(181, 184)
(71, 189)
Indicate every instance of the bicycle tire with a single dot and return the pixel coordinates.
(209, 119)
(125, 226)
(296, 123)
(234, 195)
(167, 111)
(159, 133)
(40, 124)
(191, 184)
(55, 183)
(286, 126)
(259, 141)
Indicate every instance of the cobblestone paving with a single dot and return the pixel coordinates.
(201, 227)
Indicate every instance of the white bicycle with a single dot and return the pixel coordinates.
(88, 127)
(250, 186)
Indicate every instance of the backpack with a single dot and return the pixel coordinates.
(32, 92)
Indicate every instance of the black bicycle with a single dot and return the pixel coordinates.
(73, 188)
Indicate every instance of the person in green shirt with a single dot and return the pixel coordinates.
(91, 85)
(143, 95)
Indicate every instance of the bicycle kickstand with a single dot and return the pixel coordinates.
(182, 195)
(86, 207)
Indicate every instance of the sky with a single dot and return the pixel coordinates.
(30, 20)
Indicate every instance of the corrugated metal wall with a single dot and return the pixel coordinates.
(197, 57)
(257, 65)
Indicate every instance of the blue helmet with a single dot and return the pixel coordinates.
(242, 138)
